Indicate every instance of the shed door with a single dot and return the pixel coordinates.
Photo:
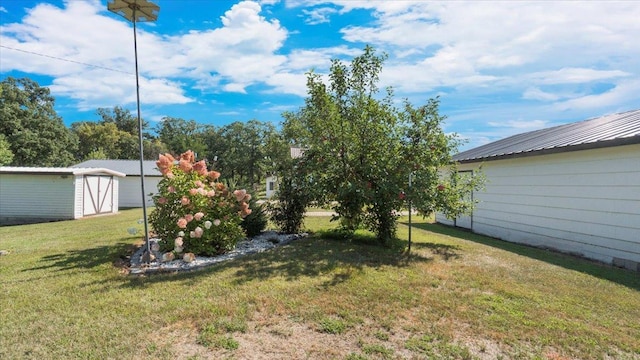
(97, 195)
(466, 221)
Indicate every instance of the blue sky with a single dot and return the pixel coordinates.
(499, 67)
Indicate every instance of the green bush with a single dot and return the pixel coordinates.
(255, 222)
(288, 212)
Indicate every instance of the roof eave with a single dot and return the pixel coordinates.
(562, 149)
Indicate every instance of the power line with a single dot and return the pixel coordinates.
(67, 60)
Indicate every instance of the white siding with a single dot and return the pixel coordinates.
(130, 192)
(78, 184)
(116, 193)
(271, 186)
(32, 197)
(584, 202)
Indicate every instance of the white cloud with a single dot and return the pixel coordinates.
(240, 53)
(520, 125)
(534, 93)
(625, 92)
(305, 60)
(98, 88)
(318, 15)
(501, 45)
(288, 83)
(575, 76)
(560, 54)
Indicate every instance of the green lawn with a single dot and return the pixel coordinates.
(457, 296)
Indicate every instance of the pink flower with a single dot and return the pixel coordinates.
(162, 200)
(213, 175)
(182, 223)
(198, 216)
(188, 217)
(211, 193)
(164, 162)
(171, 189)
(216, 222)
(193, 191)
(192, 234)
(200, 167)
(239, 194)
(169, 175)
(198, 183)
(202, 191)
(178, 242)
(244, 213)
(247, 197)
(198, 232)
(188, 156)
(184, 201)
(185, 166)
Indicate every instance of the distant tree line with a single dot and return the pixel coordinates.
(32, 134)
(362, 148)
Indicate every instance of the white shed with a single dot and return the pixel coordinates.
(574, 188)
(32, 194)
(131, 187)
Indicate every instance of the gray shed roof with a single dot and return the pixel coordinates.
(605, 131)
(129, 167)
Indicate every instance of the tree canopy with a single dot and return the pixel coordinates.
(114, 136)
(35, 133)
(361, 150)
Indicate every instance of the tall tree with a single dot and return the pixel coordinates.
(6, 156)
(243, 151)
(361, 150)
(115, 136)
(98, 139)
(123, 119)
(181, 135)
(36, 134)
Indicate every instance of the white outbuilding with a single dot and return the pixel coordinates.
(574, 188)
(40, 194)
(130, 187)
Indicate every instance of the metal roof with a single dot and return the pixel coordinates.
(605, 131)
(129, 167)
(58, 171)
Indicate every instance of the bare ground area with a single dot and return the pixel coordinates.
(281, 338)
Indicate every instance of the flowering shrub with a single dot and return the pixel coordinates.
(196, 213)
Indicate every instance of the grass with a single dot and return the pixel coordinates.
(456, 296)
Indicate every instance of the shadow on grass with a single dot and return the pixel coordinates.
(446, 252)
(86, 258)
(624, 277)
(307, 257)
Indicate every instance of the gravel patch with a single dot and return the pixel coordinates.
(263, 242)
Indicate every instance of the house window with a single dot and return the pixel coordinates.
(271, 186)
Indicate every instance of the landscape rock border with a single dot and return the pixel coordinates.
(266, 241)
